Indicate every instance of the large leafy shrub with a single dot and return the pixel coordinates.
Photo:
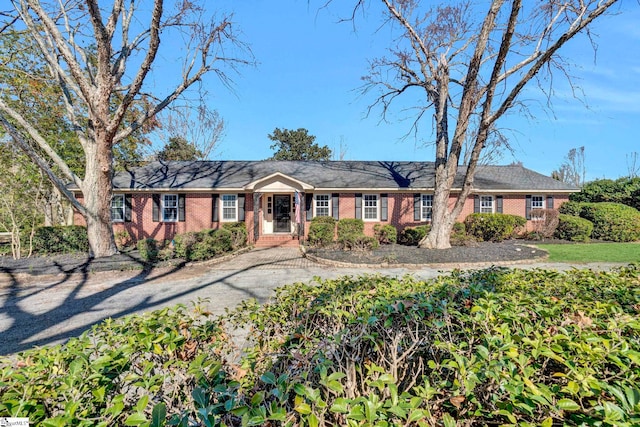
(351, 235)
(211, 244)
(134, 371)
(491, 347)
(493, 227)
(572, 208)
(322, 230)
(385, 234)
(411, 236)
(148, 249)
(623, 190)
(60, 239)
(347, 226)
(238, 234)
(574, 228)
(613, 221)
(205, 244)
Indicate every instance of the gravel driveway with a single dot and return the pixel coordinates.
(43, 310)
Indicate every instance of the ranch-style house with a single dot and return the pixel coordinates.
(278, 199)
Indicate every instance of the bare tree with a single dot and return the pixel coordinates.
(573, 170)
(201, 127)
(103, 60)
(470, 67)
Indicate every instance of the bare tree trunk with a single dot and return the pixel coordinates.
(97, 197)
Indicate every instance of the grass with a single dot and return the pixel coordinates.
(593, 252)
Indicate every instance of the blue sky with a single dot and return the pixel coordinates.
(309, 70)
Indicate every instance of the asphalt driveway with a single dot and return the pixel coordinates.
(43, 310)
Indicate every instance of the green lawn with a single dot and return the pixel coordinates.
(593, 252)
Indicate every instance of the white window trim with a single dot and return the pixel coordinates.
(124, 207)
(493, 203)
(542, 201)
(315, 204)
(377, 218)
(422, 206)
(222, 208)
(177, 207)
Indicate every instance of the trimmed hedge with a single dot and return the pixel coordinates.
(148, 249)
(385, 234)
(411, 236)
(238, 234)
(60, 239)
(351, 235)
(493, 227)
(205, 244)
(572, 208)
(574, 228)
(322, 230)
(613, 221)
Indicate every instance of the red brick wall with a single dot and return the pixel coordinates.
(198, 214)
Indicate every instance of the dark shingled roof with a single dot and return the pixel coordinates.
(330, 174)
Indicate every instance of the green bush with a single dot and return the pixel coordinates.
(322, 230)
(358, 242)
(350, 226)
(60, 239)
(238, 234)
(459, 236)
(490, 347)
(122, 372)
(184, 243)
(572, 208)
(212, 244)
(411, 236)
(622, 190)
(385, 234)
(574, 228)
(148, 249)
(493, 227)
(613, 221)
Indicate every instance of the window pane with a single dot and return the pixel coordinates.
(370, 206)
(537, 202)
(117, 207)
(322, 205)
(427, 206)
(170, 207)
(486, 204)
(229, 207)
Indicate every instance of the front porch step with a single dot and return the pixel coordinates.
(277, 240)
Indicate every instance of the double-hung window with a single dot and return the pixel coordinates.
(170, 207)
(370, 207)
(537, 202)
(322, 204)
(426, 207)
(229, 207)
(117, 208)
(486, 204)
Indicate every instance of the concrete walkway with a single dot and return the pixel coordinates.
(40, 311)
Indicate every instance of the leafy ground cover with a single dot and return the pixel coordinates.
(490, 347)
(593, 252)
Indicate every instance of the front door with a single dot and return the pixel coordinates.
(282, 213)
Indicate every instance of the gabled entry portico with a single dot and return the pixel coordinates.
(275, 210)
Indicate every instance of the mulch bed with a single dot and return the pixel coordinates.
(512, 250)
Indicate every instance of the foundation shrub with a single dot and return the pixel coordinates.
(238, 234)
(148, 249)
(349, 226)
(358, 242)
(493, 227)
(574, 228)
(322, 230)
(411, 236)
(613, 221)
(386, 234)
(60, 239)
(459, 236)
(211, 244)
(123, 240)
(184, 242)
